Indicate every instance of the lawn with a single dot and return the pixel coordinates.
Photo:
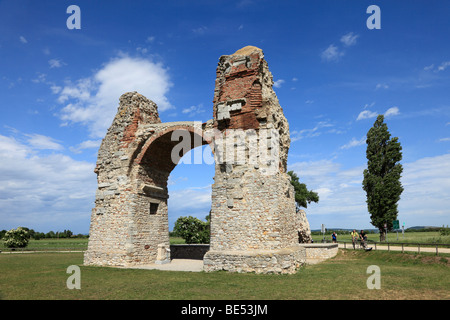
(403, 276)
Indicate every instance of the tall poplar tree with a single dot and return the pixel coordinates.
(382, 176)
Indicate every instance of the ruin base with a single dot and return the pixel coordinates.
(286, 260)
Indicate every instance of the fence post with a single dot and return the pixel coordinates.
(418, 247)
(402, 247)
(436, 249)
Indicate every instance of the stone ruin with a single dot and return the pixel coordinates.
(254, 223)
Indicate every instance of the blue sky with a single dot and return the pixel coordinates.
(59, 92)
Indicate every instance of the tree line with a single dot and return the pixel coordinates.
(31, 234)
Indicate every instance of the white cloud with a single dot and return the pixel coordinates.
(38, 141)
(142, 50)
(443, 66)
(10, 148)
(366, 106)
(23, 40)
(44, 192)
(354, 143)
(55, 63)
(191, 198)
(81, 91)
(55, 89)
(88, 144)
(394, 111)
(93, 101)
(192, 110)
(195, 201)
(342, 201)
(173, 181)
(278, 83)
(340, 193)
(426, 198)
(332, 53)
(309, 133)
(41, 78)
(366, 114)
(150, 39)
(312, 172)
(349, 39)
(444, 139)
(381, 86)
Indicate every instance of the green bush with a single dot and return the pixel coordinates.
(16, 238)
(444, 231)
(192, 230)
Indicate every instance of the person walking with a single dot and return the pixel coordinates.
(363, 237)
(355, 237)
(334, 237)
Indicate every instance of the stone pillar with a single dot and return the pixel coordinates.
(253, 217)
(304, 231)
(128, 211)
(163, 256)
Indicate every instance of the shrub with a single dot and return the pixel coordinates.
(16, 238)
(444, 231)
(192, 230)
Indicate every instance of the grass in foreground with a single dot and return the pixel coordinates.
(403, 276)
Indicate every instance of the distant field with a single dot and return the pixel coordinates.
(81, 244)
(52, 245)
(403, 276)
(66, 244)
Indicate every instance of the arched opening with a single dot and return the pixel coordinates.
(189, 186)
(182, 147)
(190, 195)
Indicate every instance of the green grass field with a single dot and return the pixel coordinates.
(403, 276)
(74, 244)
(81, 244)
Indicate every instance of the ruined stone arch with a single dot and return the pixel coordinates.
(254, 224)
(149, 172)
